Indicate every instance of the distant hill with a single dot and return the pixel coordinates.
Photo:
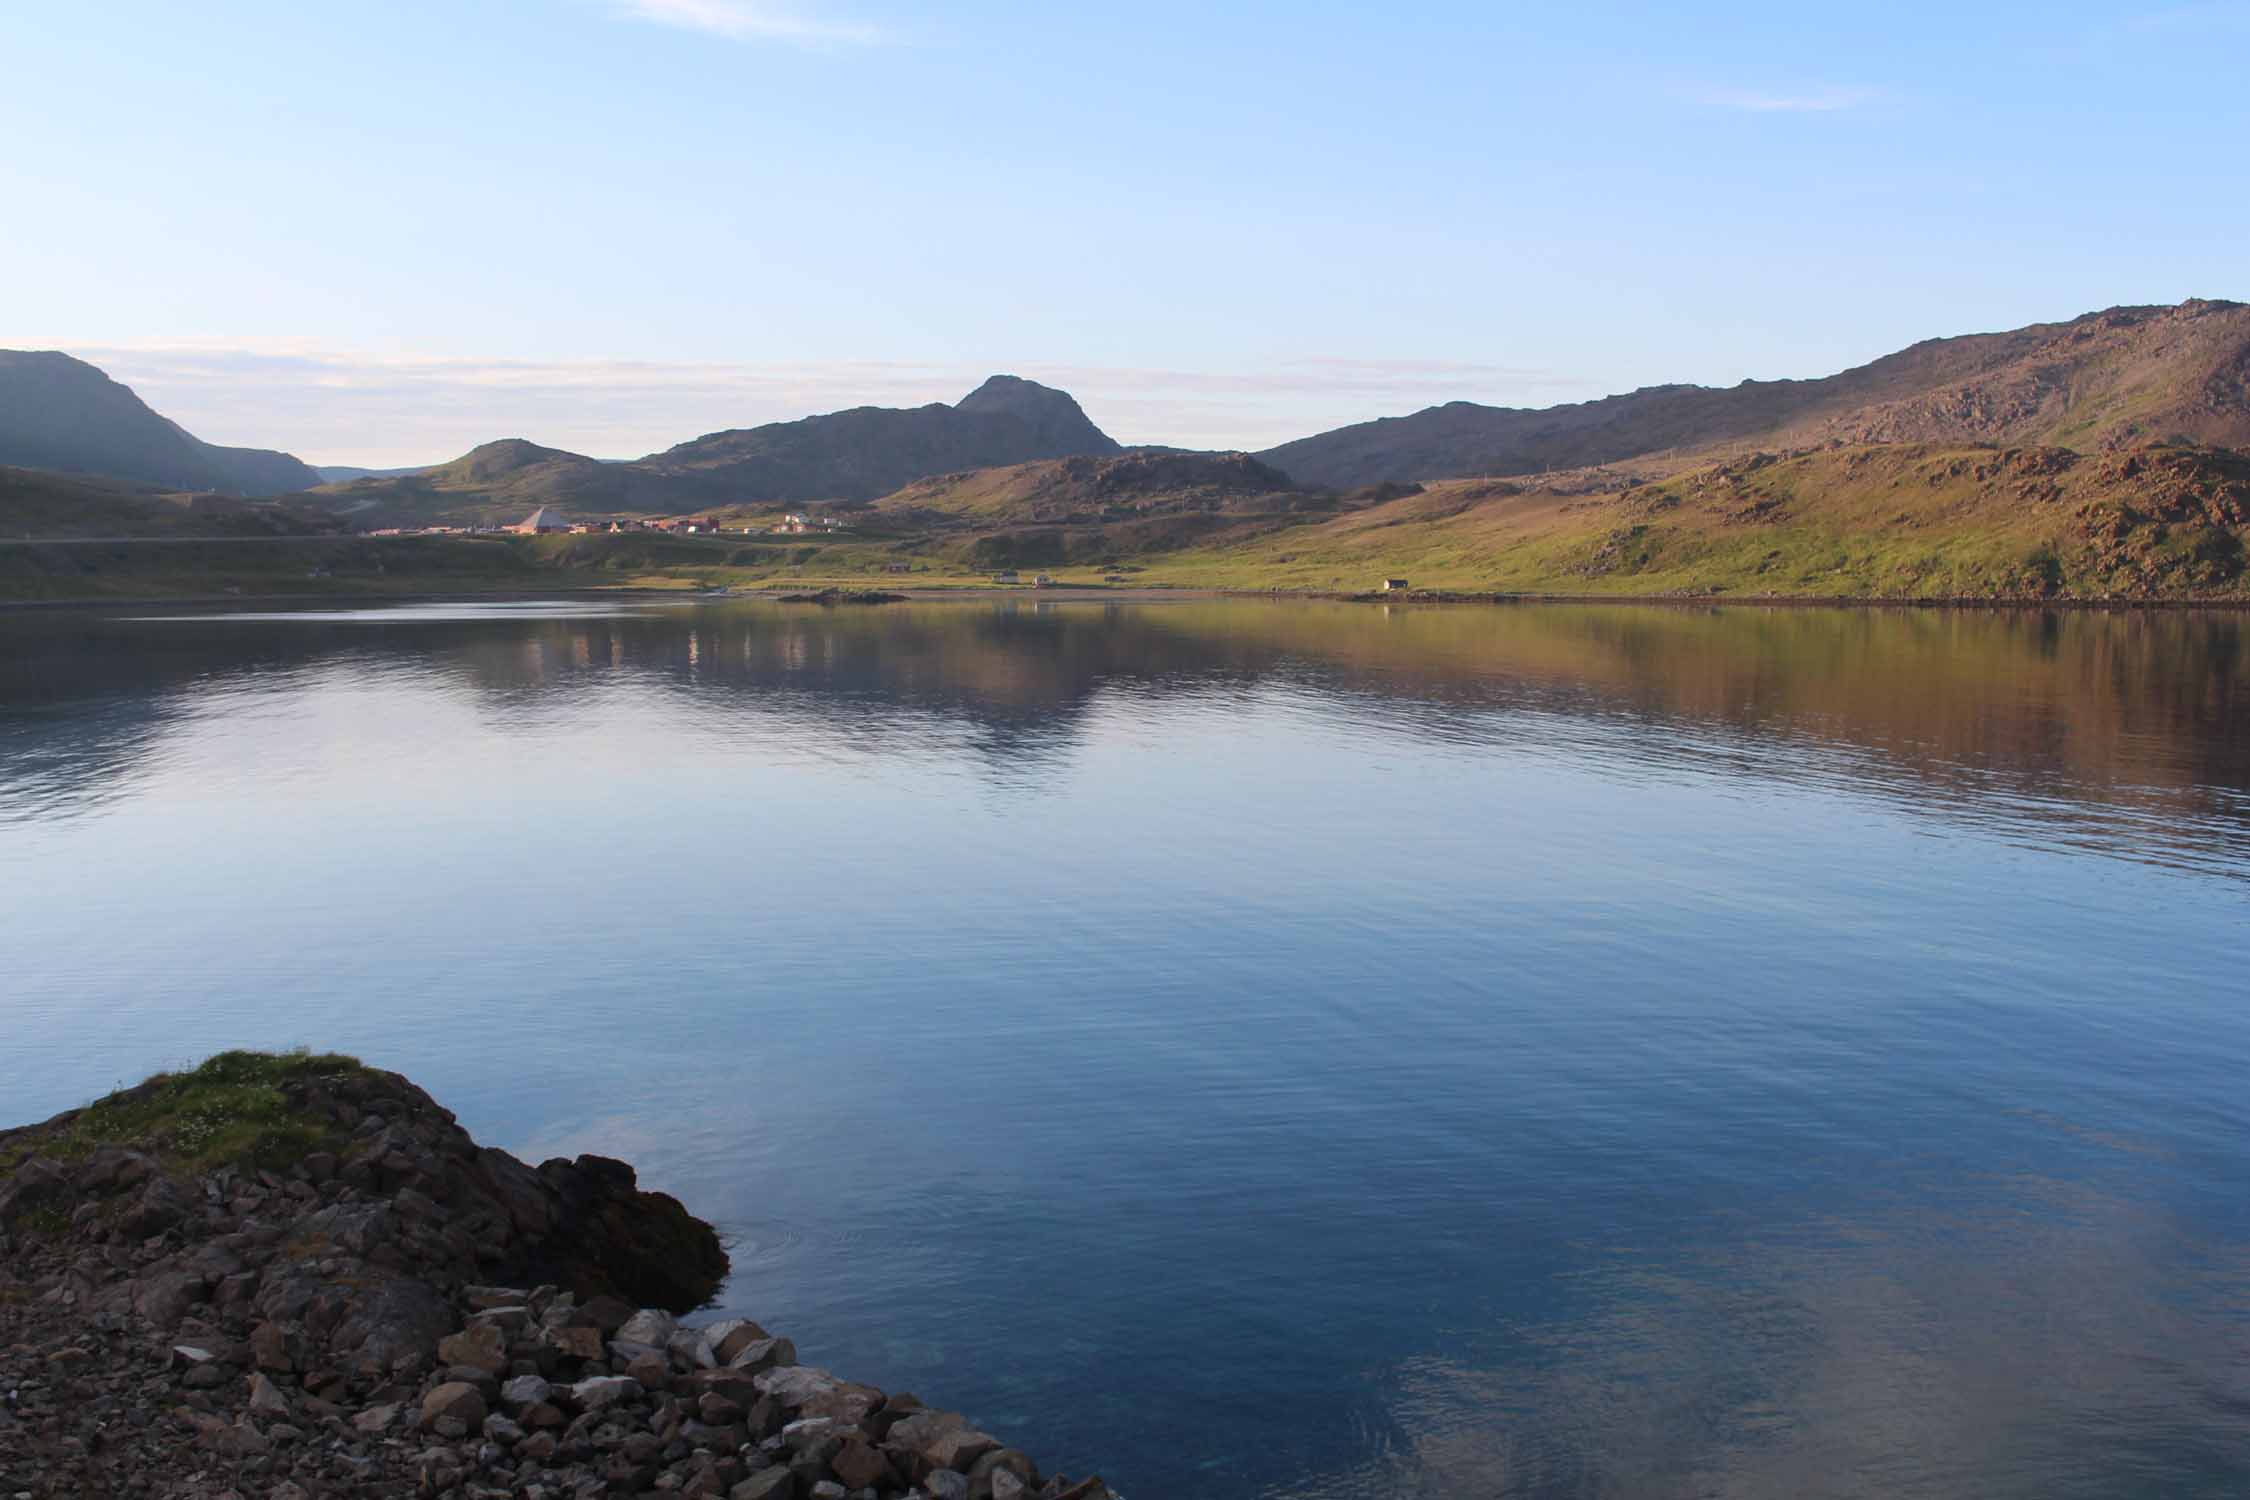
(62, 414)
(2106, 380)
(339, 473)
(505, 481)
(869, 451)
(1108, 488)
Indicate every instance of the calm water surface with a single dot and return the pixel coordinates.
(1262, 1049)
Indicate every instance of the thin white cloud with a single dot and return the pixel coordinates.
(2223, 15)
(388, 410)
(749, 21)
(1813, 101)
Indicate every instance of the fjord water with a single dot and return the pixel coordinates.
(1262, 1049)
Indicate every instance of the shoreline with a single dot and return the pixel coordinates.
(293, 1276)
(1154, 594)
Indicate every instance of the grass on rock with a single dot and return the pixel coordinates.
(232, 1108)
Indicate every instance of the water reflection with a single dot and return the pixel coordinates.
(2122, 731)
(1263, 1049)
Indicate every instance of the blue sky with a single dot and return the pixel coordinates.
(383, 232)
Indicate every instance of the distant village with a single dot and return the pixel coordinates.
(547, 521)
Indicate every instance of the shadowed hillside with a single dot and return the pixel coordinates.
(62, 414)
(36, 504)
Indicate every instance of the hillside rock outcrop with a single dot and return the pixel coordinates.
(393, 1310)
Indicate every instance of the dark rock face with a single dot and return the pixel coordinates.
(61, 413)
(412, 1315)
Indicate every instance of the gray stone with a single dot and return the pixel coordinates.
(604, 1391)
(794, 1385)
(725, 1340)
(774, 1484)
(649, 1326)
(763, 1354)
(376, 1418)
(944, 1484)
(959, 1449)
(266, 1398)
(525, 1390)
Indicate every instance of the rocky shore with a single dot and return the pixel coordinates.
(287, 1278)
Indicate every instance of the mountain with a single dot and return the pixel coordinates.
(869, 451)
(855, 455)
(2105, 380)
(62, 414)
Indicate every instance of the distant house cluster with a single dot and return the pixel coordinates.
(548, 521)
(797, 523)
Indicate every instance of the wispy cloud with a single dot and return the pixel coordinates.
(1809, 101)
(2220, 15)
(352, 406)
(750, 21)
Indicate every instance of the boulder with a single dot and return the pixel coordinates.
(523, 1391)
(959, 1448)
(861, 1466)
(767, 1484)
(849, 1404)
(269, 1348)
(650, 1326)
(726, 1340)
(376, 1418)
(483, 1347)
(794, 1385)
(604, 1391)
(576, 1342)
(399, 1316)
(762, 1354)
(453, 1410)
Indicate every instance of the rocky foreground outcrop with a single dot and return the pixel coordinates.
(285, 1279)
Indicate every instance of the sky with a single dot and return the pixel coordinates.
(380, 233)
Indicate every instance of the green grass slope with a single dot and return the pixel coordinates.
(1875, 521)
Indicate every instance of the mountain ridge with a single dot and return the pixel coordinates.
(2101, 380)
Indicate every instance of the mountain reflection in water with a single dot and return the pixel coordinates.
(1262, 1048)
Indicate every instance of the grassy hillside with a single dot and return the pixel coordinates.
(1889, 521)
(38, 504)
(1899, 521)
(1099, 488)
